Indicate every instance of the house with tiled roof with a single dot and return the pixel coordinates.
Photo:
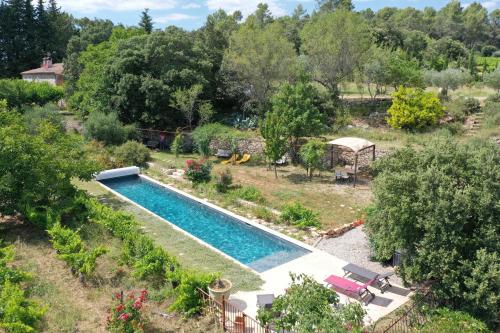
(48, 72)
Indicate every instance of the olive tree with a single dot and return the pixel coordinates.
(312, 155)
(274, 131)
(449, 79)
(440, 205)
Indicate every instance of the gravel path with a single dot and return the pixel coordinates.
(353, 246)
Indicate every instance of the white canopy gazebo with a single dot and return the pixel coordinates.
(356, 145)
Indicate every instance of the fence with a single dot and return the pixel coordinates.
(411, 318)
(230, 318)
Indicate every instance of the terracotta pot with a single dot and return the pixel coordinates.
(216, 291)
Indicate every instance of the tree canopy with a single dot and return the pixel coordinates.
(440, 206)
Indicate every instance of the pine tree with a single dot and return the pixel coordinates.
(146, 21)
(42, 28)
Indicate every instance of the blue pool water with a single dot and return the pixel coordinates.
(251, 246)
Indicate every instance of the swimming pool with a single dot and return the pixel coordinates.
(247, 244)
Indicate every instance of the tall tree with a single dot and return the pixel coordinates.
(258, 58)
(274, 130)
(475, 20)
(146, 21)
(331, 5)
(185, 100)
(335, 44)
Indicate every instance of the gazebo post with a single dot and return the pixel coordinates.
(355, 168)
(331, 160)
(373, 159)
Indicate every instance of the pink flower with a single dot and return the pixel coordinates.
(119, 308)
(137, 304)
(118, 296)
(124, 316)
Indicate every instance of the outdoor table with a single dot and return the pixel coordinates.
(382, 279)
(265, 300)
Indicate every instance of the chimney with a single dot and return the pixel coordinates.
(47, 62)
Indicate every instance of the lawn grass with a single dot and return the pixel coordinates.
(190, 253)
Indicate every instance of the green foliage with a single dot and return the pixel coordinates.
(403, 71)
(275, 131)
(198, 172)
(224, 179)
(258, 57)
(34, 116)
(299, 216)
(447, 321)
(492, 79)
(414, 109)
(312, 155)
(146, 22)
(264, 214)
(19, 92)
(309, 306)
(132, 153)
(491, 111)
(177, 144)
(439, 205)
(188, 299)
(203, 135)
(36, 170)
(186, 100)
(249, 193)
(70, 248)
(335, 44)
(8, 274)
(462, 107)
(154, 265)
(206, 112)
(108, 129)
(17, 313)
(448, 79)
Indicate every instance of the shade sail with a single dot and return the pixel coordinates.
(354, 144)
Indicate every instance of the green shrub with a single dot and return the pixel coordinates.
(132, 153)
(224, 179)
(491, 111)
(120, 224)
(448, 321)
(154, 265)
(17, 313)
(188, 299)
(34, 116)
(461, 107)
(299, 216)
(108, 129)
(414, 109)
(264, 214)
(19, 92)
(312, 155)
(249, 193)
(8, 274)
(178, 144)
(203, 135)
(198, 172)
(454, 128)
(70, 248)
(492, 80)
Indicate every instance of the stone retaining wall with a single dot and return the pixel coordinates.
(252, 146)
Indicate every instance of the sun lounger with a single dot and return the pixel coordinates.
(232, 160)
(223, 153)
(351, 288)
(381, 280)
(282, 161)
(244, 159)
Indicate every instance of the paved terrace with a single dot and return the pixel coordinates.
(318, 264)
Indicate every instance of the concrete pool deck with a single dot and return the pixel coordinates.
(319, 265)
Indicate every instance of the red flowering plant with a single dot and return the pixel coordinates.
(126, 314)
(198, 171)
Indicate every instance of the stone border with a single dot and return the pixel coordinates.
(336, 232)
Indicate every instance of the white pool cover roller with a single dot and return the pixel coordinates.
(120, 172)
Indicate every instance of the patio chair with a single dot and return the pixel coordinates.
(351, 288)
(244, 159)
(381, 280)
(233, 159)
(282, 161)
(339, 176)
